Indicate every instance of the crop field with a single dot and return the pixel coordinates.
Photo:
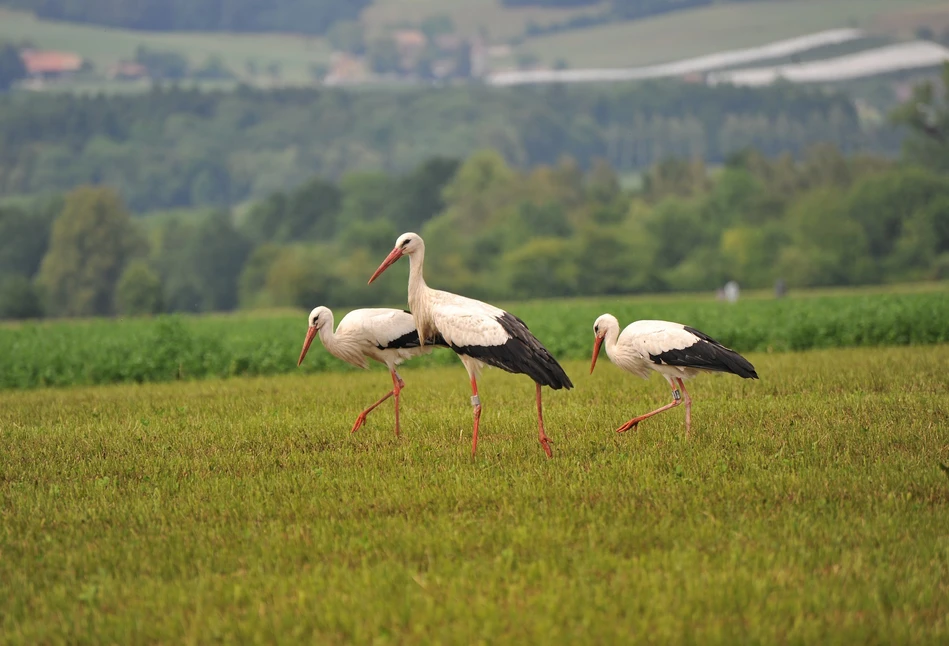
(105, 46)
(470, 16)
(807, 507)
(172, 348)
(720, 27)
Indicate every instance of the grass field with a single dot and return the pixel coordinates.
(105, 46)
(716, 28)
(808, 507)
(469, 16)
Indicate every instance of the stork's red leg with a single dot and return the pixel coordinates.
(397, 386)
(688, 407)
(676, 400)
(362, 416)
(541, 435)
(476, 402)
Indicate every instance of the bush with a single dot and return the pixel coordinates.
(176, 347)
(139, 291)
(18, 298)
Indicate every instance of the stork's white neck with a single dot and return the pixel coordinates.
(342, 346)
(417, 285)
(610, 338)
(420, 296)
(327, 335)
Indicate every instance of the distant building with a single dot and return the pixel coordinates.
(499, 51)
(127, 71)
(42, 64)
(479, 58)
(449, 42)
(345, 69)
(409, 41)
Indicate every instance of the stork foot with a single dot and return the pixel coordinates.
(359, 422)
(628, 426)
(545, 443)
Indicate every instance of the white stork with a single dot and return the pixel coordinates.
(675, 351)
(385, 335)
(479, 333)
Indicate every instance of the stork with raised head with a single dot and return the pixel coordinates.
(384, 335)
(675, 351)
(479, 333)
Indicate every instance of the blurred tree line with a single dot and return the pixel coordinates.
(493, 231)
(296, 16)
(12, 68)
(175, 147)
(615, 9)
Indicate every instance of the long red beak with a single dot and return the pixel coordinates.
(596, 352)
(310, 335)
(394, 255)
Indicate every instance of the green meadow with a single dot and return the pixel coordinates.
(807, 507)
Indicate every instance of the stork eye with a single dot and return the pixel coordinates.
(405, 242)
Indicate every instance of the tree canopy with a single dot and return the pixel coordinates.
(91, 243)
(926, 115)
(175, 148)
(495, 231)
(299, 16)
(12, 68)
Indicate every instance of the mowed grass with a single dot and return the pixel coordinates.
(707, 30)
(808, 507)
(471, 16)
(105, 46)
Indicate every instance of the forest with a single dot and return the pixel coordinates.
(174, 147)
(307, 16)
(494, 232)
(616, 9)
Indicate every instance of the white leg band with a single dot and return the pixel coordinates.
(676, 395)
(475, 400)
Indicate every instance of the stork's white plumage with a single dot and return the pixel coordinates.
(479, 333)
(675, 351)
(384, 335)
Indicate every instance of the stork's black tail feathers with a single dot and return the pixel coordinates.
(438, 341)
(522, 353)
(708, 354)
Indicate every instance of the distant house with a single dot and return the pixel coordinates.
(499, 51)
(449, 42)
(479, 58)
(345, 69)
(409, 41)
(48, 64)
(127, 71)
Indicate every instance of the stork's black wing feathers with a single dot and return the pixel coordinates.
(707, 354)
(410, 340)
(522, 353)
